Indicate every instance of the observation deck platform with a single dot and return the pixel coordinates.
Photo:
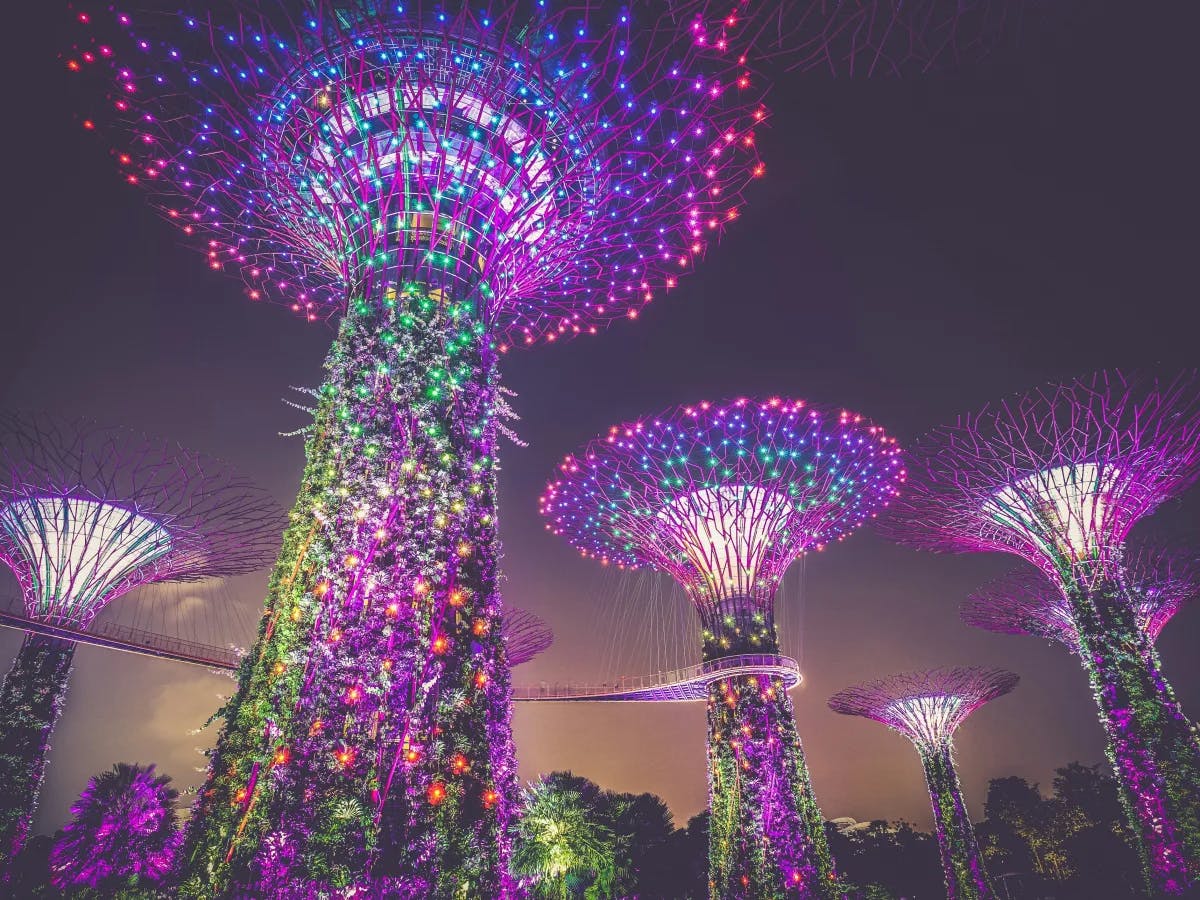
(686, 685)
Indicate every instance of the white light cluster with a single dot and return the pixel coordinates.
(80, 553)
(929, 719)
(726, 532)
(1062, 509)
(429, 153)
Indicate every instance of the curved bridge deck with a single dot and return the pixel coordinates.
(116, 636)
(681, 685)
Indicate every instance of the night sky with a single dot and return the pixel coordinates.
(918, 248)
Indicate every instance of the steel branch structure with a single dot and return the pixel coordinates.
(452, 180)
(856, 37)
(1161, 582)
(927, 708)
(545, 172)
(1058, 477)
(86, 515)
(725, 497)
(525, 634)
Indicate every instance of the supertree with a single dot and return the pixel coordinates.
(724, 497)
(1058, 477)
(927, 708)
(1162, 580)
(525, 635)
(857, 37)
(451, 180)
(86, 515)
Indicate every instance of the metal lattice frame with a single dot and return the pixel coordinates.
(89, 513)
(557, 168)
(1057, 476)
(857, 37)
(927, 708)
(526, 635)
(1162, 580)
(724, 497)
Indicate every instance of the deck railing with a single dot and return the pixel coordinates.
(689, 683)
(686, 684)
(119, 636)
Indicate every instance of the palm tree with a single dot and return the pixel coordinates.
(123, 830)
(643, 825)
(562, 846)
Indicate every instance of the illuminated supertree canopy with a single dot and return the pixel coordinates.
(857, 37)
(1058, 477)
(724, 497)
(452, 180)
(525, 634)
(552, 170)
(927, 708)
(87, 514)
(1162, 580)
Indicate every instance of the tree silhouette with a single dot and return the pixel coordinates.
(642, 826)
(1076, 841)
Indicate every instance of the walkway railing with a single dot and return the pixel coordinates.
(117, 636)
(679, 685)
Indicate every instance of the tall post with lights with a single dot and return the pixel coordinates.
(927, 708)
(724, 497)
(453, 181)
(1161, 582)
(1058, 477)
(86, 515)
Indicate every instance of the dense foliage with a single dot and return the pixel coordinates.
(372, 713)
(31, 699)
(563, 843)
(124, 831)
(579, 841)
(1075, 841)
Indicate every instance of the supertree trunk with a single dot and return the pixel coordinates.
(369, 740)
(1154, 749)
(30, 702)
(962, 864)
(766, 835)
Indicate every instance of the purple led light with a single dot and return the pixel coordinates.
(559, 168)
